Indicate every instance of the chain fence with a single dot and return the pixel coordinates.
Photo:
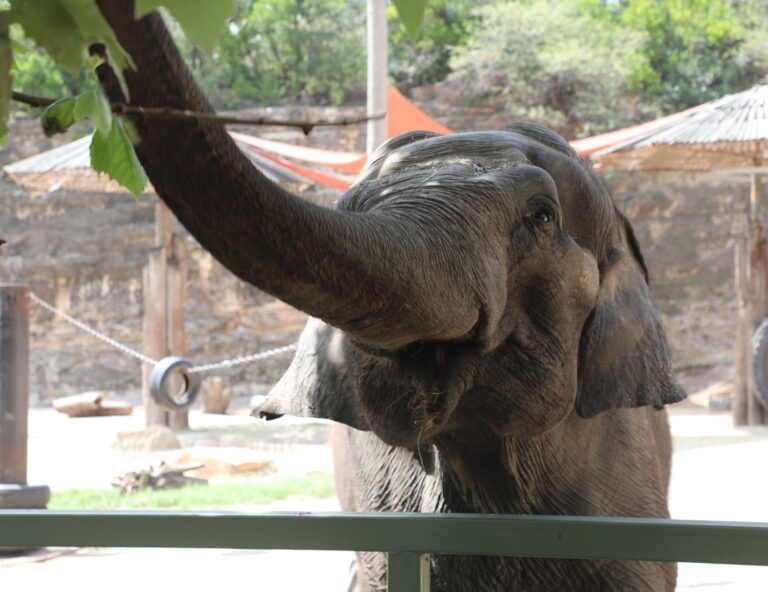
(200, 369)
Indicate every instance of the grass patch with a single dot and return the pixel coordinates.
(196, 497)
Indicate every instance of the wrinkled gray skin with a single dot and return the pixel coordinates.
(487, 334)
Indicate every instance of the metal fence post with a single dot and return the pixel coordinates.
(14, 401)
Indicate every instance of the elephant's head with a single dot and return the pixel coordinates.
(511, 224)
(481, 278)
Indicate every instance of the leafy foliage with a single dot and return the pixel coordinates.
(426, 59)
(581, 66)
(5, 73)
(573, 76)
(584, 66)
(695, 51)
(65, 29)
(295, 50)
(113, 154)
(410, 13)
(202, 20)
(59, 117)
(35, 72)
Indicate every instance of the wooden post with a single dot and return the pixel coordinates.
(14, 382)
(154, 328)
(175, 296)
(14, 404)
(757, 277)
(741, 354)
(165, 279)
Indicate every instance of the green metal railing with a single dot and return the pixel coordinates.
(407, 538)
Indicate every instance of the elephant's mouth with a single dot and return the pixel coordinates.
(432, 411)
(438, 396)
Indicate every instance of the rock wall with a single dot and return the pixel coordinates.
(84, 253)
(688, 225)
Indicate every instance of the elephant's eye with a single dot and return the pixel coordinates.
(542, 216)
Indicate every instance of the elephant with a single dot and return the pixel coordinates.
(482, 330)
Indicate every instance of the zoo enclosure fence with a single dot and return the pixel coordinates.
(408, 539)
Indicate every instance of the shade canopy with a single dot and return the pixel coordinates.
(69, 167)
(728, 133)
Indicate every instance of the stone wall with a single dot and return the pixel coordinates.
(688, 225)
(84, 253)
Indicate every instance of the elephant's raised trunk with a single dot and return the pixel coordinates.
(359, 272)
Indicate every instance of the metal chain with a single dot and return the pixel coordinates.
(91, 331)
(243, 359)
(146, 359)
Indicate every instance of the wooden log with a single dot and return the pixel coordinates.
(91, 404)
(81, 405)
(110, 408)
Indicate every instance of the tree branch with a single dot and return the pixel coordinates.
(167, 113)
(31, 100)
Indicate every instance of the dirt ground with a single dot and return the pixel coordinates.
(713, 479)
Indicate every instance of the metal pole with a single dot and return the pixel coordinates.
(14, 382)
(377, 73)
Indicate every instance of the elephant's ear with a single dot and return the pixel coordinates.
(624, 359)
(316, 384)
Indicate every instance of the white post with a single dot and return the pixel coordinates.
(377, 72)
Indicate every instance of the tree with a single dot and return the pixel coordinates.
(696, 50)
(34, 71)
(426, 59)
(574, 76)
(293, 50)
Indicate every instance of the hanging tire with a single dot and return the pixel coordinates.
(759, 352)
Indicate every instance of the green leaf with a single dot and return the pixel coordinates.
(202, 20)
(52, 28)
(94, 104)
(65, 29)
(94, 28)
(19, 46)
(5, 5)
(59, 117)
(411, 13)
(6, 81)
(113, 154)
